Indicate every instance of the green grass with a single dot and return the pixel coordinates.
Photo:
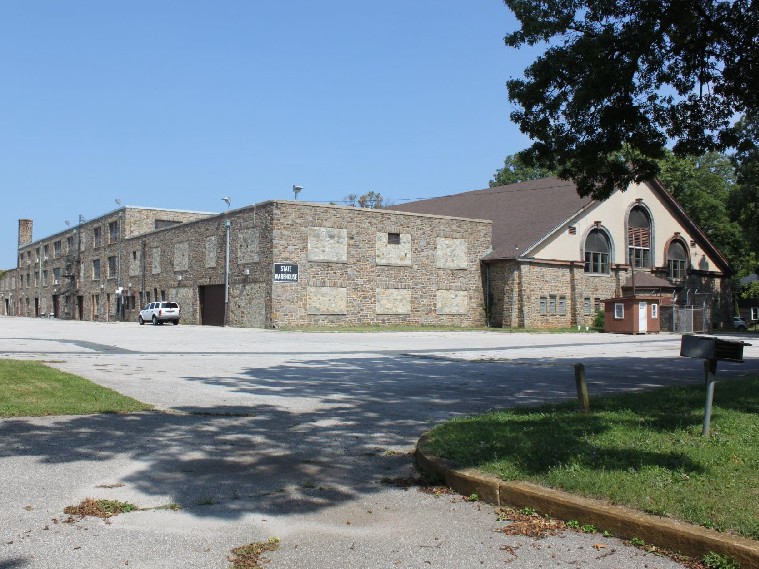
(643, 450)
(33, 389)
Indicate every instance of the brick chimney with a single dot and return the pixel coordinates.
(24, 232)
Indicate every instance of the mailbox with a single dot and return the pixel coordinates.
(712, 348)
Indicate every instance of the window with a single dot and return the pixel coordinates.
(46, 254)
(69, 244)
(552, 304)
(57, 249)
(44, 278)
(654, 311)
(562, 305)
(37, 253)
(597, 250)
(96, 269)
(543, 305)
(754, 313)
(597, 304)
(111, 267)
(619, 311)
(393, 238)
(56, 275)
(96, 236)
(586, 306)
(113, 231)
(677, 259)
(639, 238)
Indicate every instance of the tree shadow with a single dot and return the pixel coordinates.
(313, 433)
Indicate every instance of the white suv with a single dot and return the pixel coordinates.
(160, 312)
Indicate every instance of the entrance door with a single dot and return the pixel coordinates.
(36, 307)
(211, 305)
(642, 317)
(80, 308)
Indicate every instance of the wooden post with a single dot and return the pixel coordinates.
(582, 388)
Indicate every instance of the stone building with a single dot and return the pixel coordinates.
(278, 263)
(557, 256)
(528, 255)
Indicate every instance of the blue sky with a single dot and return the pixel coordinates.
(178, 104)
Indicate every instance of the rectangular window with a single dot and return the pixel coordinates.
(44, 278)
(111, 267)
(676, 269)
(597, 304)
(586, 306)
(95, 269)
(37, 253)
(96, 236)
(596, 262)
(552, 304)
(562, 305)
(619, 311)
(113, 231)
(393, 238)
(543, 305)
(69, 245)
(754, 313)
(57, 249)
(654, 311)
(46, 254)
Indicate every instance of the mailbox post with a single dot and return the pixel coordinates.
(711, 349)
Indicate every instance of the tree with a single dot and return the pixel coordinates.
(369, 200)
(744, 203)
(704, 186)
(620, 79)
(515, 170)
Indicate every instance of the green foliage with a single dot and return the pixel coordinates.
(515, 170)
(704, 185)
(643, 450)
(631, 74)
(598, 321)
(369, 200)
(717, 561)
(33, 389)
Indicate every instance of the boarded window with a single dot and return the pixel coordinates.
(393, 238)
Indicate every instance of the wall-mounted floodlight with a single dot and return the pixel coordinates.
(296, 191)
(227, 200)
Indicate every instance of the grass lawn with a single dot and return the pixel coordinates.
(643, 450)
(33, 389)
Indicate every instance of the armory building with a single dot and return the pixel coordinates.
(531, 255)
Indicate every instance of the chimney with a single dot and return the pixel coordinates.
(24, 232)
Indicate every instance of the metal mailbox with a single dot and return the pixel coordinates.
(712, 348)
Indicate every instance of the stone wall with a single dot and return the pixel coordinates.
(359, 267)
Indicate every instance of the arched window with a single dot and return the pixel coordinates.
(677, 260)
(639, 238)
(597, 250)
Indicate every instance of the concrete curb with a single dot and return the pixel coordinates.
(622, 522)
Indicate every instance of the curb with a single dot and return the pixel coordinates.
(621, 521)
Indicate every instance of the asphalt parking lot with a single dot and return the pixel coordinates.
(292, 435)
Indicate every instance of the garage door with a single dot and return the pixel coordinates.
(211, 305)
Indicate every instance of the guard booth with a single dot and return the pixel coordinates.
(632, 315)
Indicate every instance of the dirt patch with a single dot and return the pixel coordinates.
(249, 556)
(99, 508)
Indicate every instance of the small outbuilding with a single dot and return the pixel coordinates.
(632, 315)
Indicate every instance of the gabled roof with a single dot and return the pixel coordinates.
(522, 213)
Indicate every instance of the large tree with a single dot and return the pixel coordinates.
(621, 79)
(515, 170)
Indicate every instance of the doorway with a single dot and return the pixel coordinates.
(211, 299)
(642, 317)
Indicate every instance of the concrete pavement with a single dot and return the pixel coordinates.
(290, 434)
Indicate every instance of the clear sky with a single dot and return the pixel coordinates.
(177, 104)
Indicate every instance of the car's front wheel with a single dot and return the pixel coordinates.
(141, 321)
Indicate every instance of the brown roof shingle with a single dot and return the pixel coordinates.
(522, 213)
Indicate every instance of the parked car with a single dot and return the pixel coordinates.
(739, 324)
(160, 312)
